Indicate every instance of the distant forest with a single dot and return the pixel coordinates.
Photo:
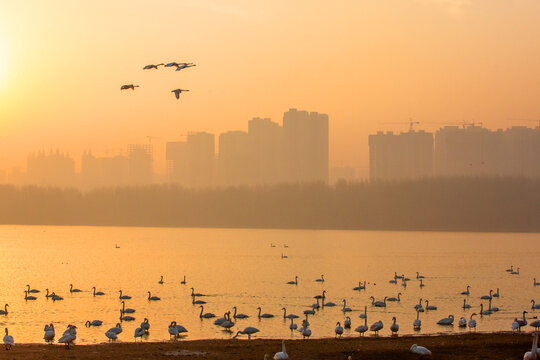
(455, 204)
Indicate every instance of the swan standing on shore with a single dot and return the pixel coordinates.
(173, 331)
(472, 322)
(394, 327)
(250, 330)
(338, 330)
(462, 322)
(533, 354)
(8, 340)
(417, 324)
(420, 350)
(362, 328)
(139, 332)
(49, 333)
(283, 354)
(145, 325)
(69, 336)
(376, 327)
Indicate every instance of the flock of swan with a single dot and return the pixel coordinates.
(179, 66)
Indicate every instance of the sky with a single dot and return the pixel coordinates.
(365, 63)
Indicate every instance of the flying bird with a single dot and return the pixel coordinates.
(184, 65)
(177, 92)
(152, 66)
(130, 86)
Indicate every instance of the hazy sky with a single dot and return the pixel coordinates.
(363, 62)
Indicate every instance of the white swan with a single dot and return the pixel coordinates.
(227, 324)
(112, 336)
(93, 323)
(347, 323)
(177, 92)
(417, 324)
(250, 330)
(290, 316)
(430, 307)
(295, 282)
(69, 336)
(533, 354)
(534, 305)
(378, 303)
(126, 310)
(283, 354)
(420, 350)
(117, 329)
(206, 315)
(152, 66)
(536, 325)
(72, 290)
(306, 332)
(462, 322)
(345, 308)
(123, 297)
(362, 328)
(264, 316)
(220, 320)
(293, 326)
(339, 329)
(321, 279)
(468, 292)
(28, 297)
(239, 316)
(139, 332)
(376, 327)
(465, 305)
(395, 298)
(49, 333)
(173, 331)
(145, 325)
(394, 327)
(160, 280)
(446, 321)
(8, 340)
(153, 298)
(32, 290)
(98, 293)
(472, 322)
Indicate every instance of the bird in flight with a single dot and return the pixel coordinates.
(152, 66)
(184, 65)
(130, 86)
(177, 92)
(178, 65)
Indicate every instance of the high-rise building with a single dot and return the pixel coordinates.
(140, 164)
(55, 168)
(407, 155)
(266, 151)
(305, 144)
(177, 162)
(235, 163)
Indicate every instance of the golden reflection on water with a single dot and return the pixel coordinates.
(238, 267)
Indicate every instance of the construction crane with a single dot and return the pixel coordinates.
(519, 119)
(472, 123)
(410, 122)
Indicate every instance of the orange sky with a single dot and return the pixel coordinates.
(363, 62)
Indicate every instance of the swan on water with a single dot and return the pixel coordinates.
(420, 350)
(99, 293)
(417, 324)
(295, 282)
(465, 305)
(496, 294)
(28, 297)
(306, 332)
(290, 316)
(227, 324)
(123, 297)
(446, 321)
(264, 316)
(126, 310)
(55, 297)
(462, 322)
(345, 308)
(49, 333)
(220, 320)
(72, 290)
(205, 315)
(321, 279)
(193, 293)
(515, 272)
(534, 305)
(293, 326)
(487, 297)
(484, 312)
(161, 280)
(247, 331)
(183, 282)
(394, 327)
(47, 295)
(93, 323)
(419, 306)
(492, 308)
(152, 298)
(126, 317)
(8, 340)
(284, 256)
(418, 276)
(511, 269)
(467, 292)
(360, 286)
(430, 307)
(378, 303)
(283, 354)
(394, 298)
(364, 314)
(347, 323)
(536, 283)
(197, 302)
(338, 330)
(31, 290)
(173, 331)
(239, 316)
(472, 322)
(422, 283)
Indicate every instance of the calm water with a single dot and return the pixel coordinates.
(238, 267)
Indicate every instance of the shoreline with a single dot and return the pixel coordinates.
(500, 345)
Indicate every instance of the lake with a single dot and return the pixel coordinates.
(238, 267)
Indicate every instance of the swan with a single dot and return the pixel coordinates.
(306, 332)
(177, 93)
(339, 329)
(394, 327)
(376, 326)
(112, 336)
(227, 324)
(290, 316)
(395, 298)
(515, 272)
(364, 315)
(247, 331)
(487, 297)
(419, 306)
(492, 309)
(535, 283)
(139, 332)
(8, 340)
(130, 86)
(128, 310)
(522, 322)
(496, 294)
(472, 322)
(49, 333)
(55, 297)
(446, 321)
(284, 256)
(533, 354)
(378, 303)
(465, 305)
(430, 307)
(418, 276)
(468, 292)
(93, 323)
(347, 323)
(145, 325)
(47, 295)
(322, 296)
(405, 278)
(152, 66)
(193, 293)
(264, 316)
(99, 293)
(27, 297)
(220, 320)
(511, 269)
(152, 298)
(420, 350)
(394, 280)
(184, 65)
(180, 329)
(417, 324)
(309, 312)
(239, 316)
(293, 326)
(183, 282)
(462, 322)
(117, 329)
(515, 326)
(123, 297)
(422, 283)
(535, 324)
(206, 315)
(69, 336)
(362, 328)
(161, 280)
(396, 276)
(345, 308)
(31, 290)
(321, 279)
(173, 331)
(197, 302)
(126, 317)
(403, 283)
(360, 286)
(316, 305)
(329, 304)
(72, 290)
(484, 312)
(295, 282)
(534, 305)
(283, 354)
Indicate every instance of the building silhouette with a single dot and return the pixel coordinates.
(54, 168)
(407, 155)
(266, 152)
(140, 158)
(235, 162)
(104, 171)
(345, 173)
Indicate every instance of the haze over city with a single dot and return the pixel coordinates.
(364, 63)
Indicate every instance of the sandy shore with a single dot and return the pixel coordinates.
(467, 346)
